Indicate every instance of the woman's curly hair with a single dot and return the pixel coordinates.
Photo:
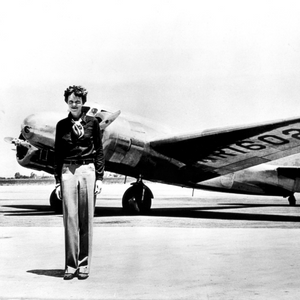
(78, 90)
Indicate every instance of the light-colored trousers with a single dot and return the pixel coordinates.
(78, 196)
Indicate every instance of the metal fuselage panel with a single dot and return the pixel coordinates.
(127, 152)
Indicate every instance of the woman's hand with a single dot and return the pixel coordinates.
(98, 187)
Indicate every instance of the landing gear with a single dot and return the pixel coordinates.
(55, 203)
(292, 200)
(138, 198)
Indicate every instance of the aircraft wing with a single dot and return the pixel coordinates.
(221, 151)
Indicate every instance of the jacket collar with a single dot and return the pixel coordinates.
(83, 117)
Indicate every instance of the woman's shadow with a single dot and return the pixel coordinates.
(52, 273)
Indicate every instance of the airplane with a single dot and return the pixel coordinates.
(259, 159)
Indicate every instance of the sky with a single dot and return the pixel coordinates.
(192, 65)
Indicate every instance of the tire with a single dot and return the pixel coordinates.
(132, 199)
(55, 203)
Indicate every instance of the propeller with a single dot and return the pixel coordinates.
(16, 141)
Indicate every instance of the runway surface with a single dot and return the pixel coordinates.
(172, 207)
(210, 246)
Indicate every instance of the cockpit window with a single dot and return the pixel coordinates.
(93, 111)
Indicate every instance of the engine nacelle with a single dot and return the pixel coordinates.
(31, 157)
(258, 180)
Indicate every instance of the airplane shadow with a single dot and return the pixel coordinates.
(32, 210)
(52, 273)
(199, 214)
(208, 212)
(219, 211)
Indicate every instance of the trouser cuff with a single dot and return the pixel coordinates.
(83, 269)
(70, 270)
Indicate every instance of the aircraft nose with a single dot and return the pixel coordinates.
(39, 128)
(28, 125)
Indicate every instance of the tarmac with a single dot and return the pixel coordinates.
(153, 262)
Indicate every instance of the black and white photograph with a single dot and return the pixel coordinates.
(149, 149)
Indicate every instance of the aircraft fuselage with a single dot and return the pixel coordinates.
(127, 148)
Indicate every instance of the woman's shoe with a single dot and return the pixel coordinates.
(69, 276)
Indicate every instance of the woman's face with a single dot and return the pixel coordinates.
(75, 104)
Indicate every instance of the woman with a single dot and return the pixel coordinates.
(78, 170)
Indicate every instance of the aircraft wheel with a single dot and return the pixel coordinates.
(292, 200)
(55, 203)
(137, 199)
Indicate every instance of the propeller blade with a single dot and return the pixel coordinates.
(9, 139)
(16, 141)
